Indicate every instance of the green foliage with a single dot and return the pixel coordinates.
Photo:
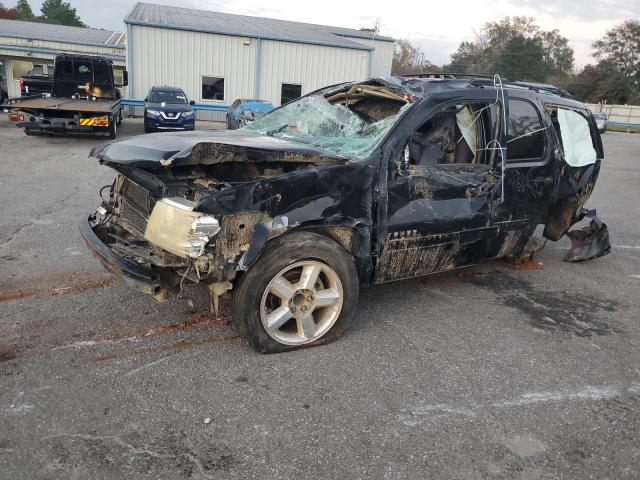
(61, 13)
(620, 48)
(53, 11)
(516, 48)
(615, 79)
(510, 60)
(23, 11)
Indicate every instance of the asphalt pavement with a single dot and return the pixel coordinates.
(491, 372)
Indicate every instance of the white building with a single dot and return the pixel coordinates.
(218, 57)
(30, 46)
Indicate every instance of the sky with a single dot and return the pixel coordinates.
(436, 27)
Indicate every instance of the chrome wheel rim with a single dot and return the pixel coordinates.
(301, 303)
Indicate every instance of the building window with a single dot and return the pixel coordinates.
(526, 139)
(21, 69)
(212, 88)
(290, 91)
(118, 76)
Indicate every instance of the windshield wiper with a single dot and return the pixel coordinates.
(273, 131)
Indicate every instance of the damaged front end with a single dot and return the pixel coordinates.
(200, 206)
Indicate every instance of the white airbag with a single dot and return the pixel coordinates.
(576, 138)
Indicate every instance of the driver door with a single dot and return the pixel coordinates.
(438, 214)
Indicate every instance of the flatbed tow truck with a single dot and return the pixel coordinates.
(84, 100)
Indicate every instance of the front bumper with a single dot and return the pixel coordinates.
(60, 127)
(131, 272)
(162, 124)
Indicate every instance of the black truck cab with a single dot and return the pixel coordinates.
(84, 100)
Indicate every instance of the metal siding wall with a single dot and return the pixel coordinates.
(382, 58)
(180, 58)
(313, 66)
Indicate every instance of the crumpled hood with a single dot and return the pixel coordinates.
(159, 150)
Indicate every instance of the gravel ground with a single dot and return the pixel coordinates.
(491, 372)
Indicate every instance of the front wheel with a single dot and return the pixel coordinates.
(301, 292)
(113, 128)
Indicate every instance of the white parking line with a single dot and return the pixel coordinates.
(588, 393)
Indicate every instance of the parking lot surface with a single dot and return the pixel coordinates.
(490, 372)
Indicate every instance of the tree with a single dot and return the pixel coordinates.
(408, 59)
(600, 83)
(510, 61)
(517, 44)
(7, 13)
(61, 13)
(23, 11)
(616, 77)
(621, 48)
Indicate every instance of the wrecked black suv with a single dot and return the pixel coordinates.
(352, 185)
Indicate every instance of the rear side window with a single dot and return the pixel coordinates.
(525, 136)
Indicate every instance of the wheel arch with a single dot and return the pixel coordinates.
(354, 240)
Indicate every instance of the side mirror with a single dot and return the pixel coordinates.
(146, 99)
(192, 102)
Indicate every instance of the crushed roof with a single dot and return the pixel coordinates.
(247, 26)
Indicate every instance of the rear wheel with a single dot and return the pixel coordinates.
(302, 292)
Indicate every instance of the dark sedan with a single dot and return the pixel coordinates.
(167, 108)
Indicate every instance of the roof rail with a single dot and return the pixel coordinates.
(481, 79)
(451, 75)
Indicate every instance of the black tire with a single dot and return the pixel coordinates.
(279, 253)
(113, 128)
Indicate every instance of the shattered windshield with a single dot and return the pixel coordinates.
(345, 124)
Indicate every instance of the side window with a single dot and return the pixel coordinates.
(526, 139)
(101, 72)
(118, 76)
(459, 134)
(212, 88)
(289, 92)
(21, 69)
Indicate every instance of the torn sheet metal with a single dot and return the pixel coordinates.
(589, 242)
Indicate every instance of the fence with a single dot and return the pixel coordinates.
(204, 111)
(624, 118)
